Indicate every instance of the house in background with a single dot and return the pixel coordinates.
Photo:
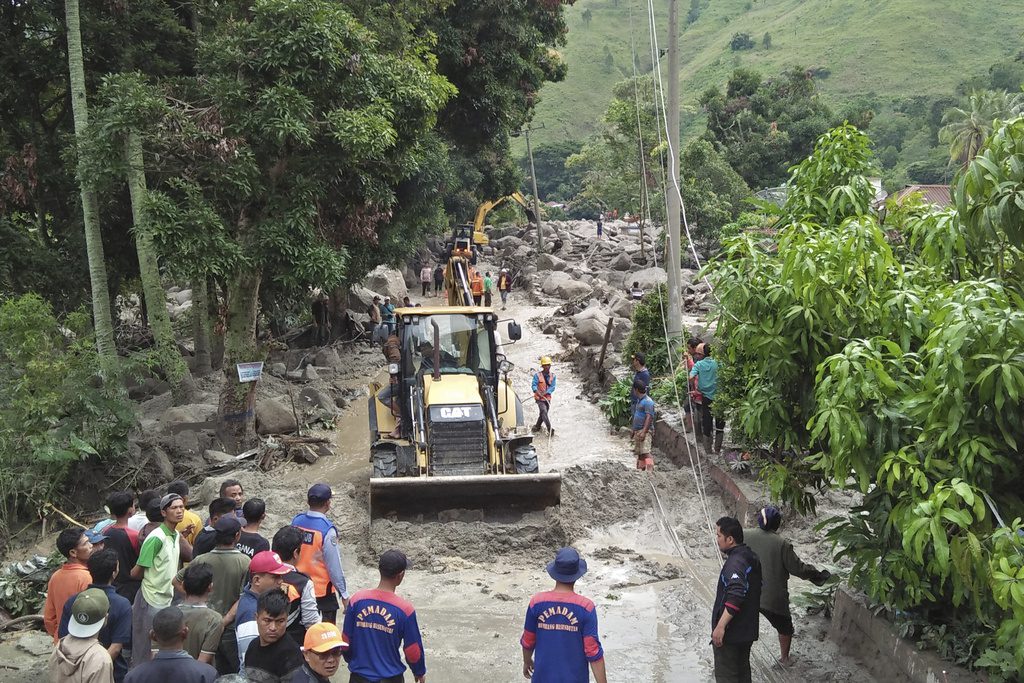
(936, 195)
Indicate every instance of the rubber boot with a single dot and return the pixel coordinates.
(719, 436)
(706, 443)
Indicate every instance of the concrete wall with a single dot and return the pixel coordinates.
(858, 631)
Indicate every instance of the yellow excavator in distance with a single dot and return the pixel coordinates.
(479, 237)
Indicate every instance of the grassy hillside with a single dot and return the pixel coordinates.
(890, 48)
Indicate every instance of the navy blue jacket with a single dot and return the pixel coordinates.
(739, 591)
(172, 666)
(118, 628)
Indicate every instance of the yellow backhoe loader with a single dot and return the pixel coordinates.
(479, 236)
(459, 439)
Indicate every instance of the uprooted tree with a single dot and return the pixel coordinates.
(889, 359)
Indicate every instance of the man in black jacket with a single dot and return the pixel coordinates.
(734, 619)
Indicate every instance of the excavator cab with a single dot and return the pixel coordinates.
(462, 440)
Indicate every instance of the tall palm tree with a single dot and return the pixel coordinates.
(149, 271)
(90, 210)
(965, 129)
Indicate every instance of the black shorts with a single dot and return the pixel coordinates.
(783, 623)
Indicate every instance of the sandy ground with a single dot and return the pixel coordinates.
(653, 563)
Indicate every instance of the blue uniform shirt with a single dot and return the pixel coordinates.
(118, 628)
(377, 624)
(561, 629)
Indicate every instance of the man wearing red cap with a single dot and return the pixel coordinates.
(322, 650)
(560, 635)
(267, 572)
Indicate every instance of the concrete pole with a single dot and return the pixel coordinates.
(675, 304)
(536, 198)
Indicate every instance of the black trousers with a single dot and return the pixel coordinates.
(732, 662)
(542, 407)
(706, 419)
(356, 678)
(426, 287)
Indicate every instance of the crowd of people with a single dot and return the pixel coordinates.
(155, 594)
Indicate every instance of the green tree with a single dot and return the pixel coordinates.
(90, 209)
(965, 128)
(741, 41)
(554, 180)
(896, 372)
(313, 130)
(764, 127)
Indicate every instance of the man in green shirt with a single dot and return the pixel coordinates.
(156, 566)
(488, 289)
(205, 626)
(230, 567)
(778, 562)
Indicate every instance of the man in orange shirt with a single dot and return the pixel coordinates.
(72, 578)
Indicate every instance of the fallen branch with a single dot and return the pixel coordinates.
(27, 619)
(65, 516)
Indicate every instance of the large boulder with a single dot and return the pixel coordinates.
(361, 298)
(274, 417)
(563, 285)
(649, 278)
(550, 262)
(328, 358)
(190, 413)
(590, 332)
(388, 282)
(621, 262)
(622, 306)
(508, 242)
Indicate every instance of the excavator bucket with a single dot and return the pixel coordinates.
(499, 494)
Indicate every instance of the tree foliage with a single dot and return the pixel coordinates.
(54, 410)
(763, 127)
(889, 359)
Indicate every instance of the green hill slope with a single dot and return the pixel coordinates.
(889, 48)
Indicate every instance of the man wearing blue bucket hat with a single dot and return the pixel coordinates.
(560, 635)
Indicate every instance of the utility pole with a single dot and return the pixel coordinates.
(675, 304)
(536, 198)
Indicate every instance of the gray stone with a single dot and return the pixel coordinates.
(563, 285)
(278, 369)
(591, 331)
(649, 278)
(328, 358)
(161, 464)
(186, 442)
(361, 298)
(622, 306)
(550, 262)
(293, 375)
(311, 397)
(388, 282)
(273, 416)
(310, 373)
(192, 412)
(621, 262)
(217, 457)
(621, 328)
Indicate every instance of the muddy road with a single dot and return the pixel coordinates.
(653, 562)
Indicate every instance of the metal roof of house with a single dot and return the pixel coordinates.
(936, 195)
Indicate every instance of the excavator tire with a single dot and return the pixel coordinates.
(385, 463)
(526, 459)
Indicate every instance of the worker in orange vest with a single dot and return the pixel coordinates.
(543, 387)
(476, 286)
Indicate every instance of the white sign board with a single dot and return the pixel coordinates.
(249, 372)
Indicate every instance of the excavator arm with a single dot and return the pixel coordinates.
(479, 237)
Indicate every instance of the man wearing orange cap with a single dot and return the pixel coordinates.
(322, 650)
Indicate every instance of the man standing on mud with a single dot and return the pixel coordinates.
(643, 423)
(560, 636)
(734, 618)
(380, 625)
(543, 387)
(778, 562)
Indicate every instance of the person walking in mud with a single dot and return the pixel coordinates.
(734, 617)
(504, 286)
(426, 273)
(778, 562)
(543, 387)
(560, 637)
(438, 279)
(643, 424)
